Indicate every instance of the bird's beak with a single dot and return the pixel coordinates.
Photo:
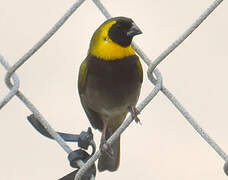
(134, 30)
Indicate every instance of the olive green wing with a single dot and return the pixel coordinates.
(140, 70)
(93, 116)
(82, 77)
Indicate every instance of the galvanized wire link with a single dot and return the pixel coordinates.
(102, 9)
(168, 94)
(38, 115)
(23, 60)
(192, 28)
(46, 125)
(194, 124)
(50, 33)
(14, 88)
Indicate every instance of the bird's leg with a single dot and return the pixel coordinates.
(103, 139)
(134, 113)
(104, 146)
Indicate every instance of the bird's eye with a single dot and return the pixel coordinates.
(106, 39)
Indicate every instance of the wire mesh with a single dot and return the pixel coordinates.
(157, 81)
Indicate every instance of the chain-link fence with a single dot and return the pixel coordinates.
(153, 75)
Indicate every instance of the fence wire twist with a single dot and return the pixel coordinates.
(157, 81)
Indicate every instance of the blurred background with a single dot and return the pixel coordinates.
(165, 146)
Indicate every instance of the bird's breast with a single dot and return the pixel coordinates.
(112, 85)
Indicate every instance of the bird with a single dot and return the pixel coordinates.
(109, 83)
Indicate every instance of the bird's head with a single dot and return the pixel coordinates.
(112, 40)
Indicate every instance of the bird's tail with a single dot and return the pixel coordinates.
(106, 162)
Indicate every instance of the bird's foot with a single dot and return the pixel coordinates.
(134, 113)
(106, 149)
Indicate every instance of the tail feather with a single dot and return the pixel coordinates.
(107, 163)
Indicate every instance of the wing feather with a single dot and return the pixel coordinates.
(93, 116)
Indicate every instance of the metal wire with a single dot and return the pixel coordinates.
(14, 88)
(189, 31)
(50, 33)
(23, 60)
(194, 124)
(33, 109)
(157, 81)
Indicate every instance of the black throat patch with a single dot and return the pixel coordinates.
(118, 33)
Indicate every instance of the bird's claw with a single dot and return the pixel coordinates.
(134, 113)
(106, 149)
